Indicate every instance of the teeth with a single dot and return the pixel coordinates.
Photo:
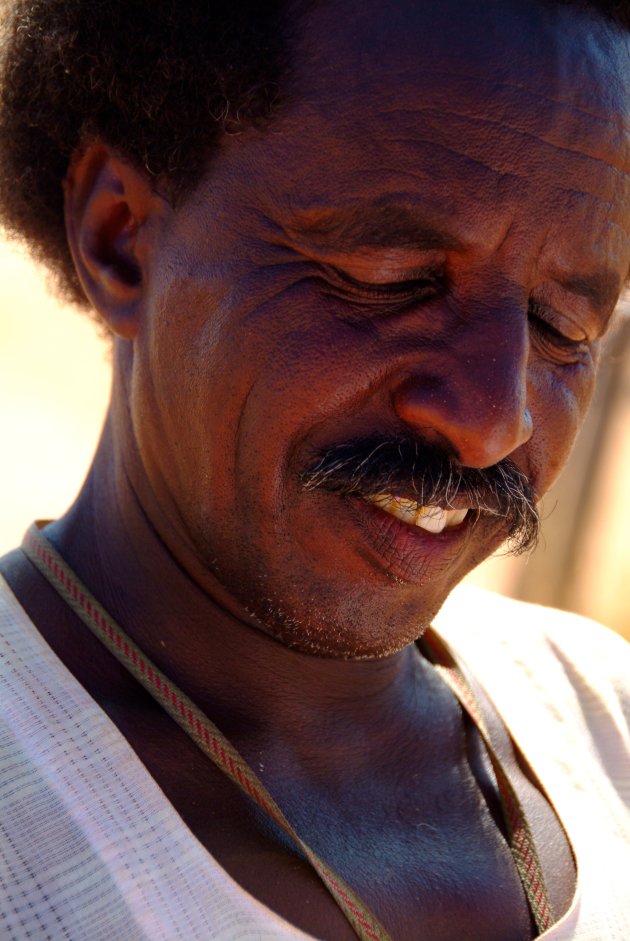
(433, 519)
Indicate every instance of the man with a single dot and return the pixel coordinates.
(357, 260)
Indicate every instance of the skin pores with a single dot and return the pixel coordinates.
(434, 245)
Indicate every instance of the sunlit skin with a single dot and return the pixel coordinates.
(525, 204)
(432, 237)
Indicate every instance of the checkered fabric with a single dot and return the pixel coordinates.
(91, 850)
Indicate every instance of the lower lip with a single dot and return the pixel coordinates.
(408, 552)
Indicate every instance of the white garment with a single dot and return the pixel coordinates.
(91, 850)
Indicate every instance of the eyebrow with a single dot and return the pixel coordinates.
(376, 226)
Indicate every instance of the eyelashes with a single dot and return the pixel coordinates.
(546, 325)
(552, 341)
(417, 286)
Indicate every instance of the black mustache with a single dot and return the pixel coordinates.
(429, 476)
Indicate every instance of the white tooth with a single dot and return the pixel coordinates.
(432, 518)
(455, 517)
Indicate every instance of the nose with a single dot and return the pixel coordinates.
(474, 400)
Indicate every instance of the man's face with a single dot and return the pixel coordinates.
(425, 246)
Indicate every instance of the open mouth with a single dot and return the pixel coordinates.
(433, 519)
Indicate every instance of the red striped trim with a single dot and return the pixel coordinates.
(165, 691)
(357, 912)
(221, 752)
(520, 838)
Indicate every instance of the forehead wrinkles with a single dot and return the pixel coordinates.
(491, 104)
(549, 73)
(539, 155)
(444, 156)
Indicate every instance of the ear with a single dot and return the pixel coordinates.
(111, 209)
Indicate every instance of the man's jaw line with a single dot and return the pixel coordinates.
(202, 586)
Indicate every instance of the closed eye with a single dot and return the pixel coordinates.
(414, 286)
(552, 340)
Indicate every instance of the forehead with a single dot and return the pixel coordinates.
(410, 121)
(553, 51)
(454, 74)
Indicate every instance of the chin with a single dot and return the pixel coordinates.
(358, 626)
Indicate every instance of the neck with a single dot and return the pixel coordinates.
(259, 692)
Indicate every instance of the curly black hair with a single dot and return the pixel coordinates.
(159, 80)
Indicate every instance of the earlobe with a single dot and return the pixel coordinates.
(108, 203)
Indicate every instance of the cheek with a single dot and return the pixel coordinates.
(174, 379)
(559, 399)
(310, 363)
(227, 390)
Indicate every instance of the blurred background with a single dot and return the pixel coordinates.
(54, 387)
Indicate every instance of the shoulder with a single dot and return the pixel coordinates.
(558, 650)
(28, 665)
(472, 616)
(14, 620)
